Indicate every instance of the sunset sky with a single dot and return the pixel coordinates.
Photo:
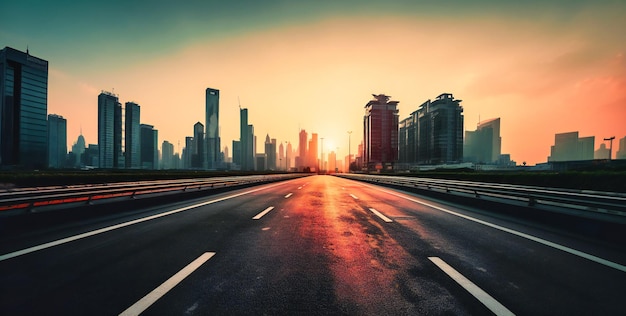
(543, 67)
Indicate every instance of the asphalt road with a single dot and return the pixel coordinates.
(315, 245)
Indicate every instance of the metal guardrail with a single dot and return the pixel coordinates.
(609, 205)
(27, 200)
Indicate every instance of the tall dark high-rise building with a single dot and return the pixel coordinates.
(132, 135)
(380, 129)
(149, 151)
(440, 131)
(433, 134)
(57, 141)
(109, 130)
(246, 138)
(197, 150)
(407, 139)
(212, 134)
(23, 110)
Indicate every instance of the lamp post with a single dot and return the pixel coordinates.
(610, 139)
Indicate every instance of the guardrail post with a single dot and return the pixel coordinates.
(89, 202)
(476, 194)
(532, 201)
(133, 196)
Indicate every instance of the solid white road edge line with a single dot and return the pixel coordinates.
(575, 252)
(383, 217)
(472, 288)
(267, 210)
(157, 293)
(288, 195)
(354, 196)
(110, 228)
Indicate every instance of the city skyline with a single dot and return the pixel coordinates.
(536, 66)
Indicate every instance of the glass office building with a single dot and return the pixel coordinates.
(23, 109)
(109, 130)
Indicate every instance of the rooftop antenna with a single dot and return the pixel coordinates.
(239, 101)
(26, 49)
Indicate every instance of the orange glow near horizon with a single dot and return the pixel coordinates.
(318, 76)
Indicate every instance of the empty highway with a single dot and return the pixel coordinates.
(313, 245)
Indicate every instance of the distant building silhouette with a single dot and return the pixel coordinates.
(312, 153)
(212, 135)
(289, 156)
(483, 145)
(23, 110)
(109, 130)
(569, 147)
(270, 152)
(332, 162)
(621, 152)
(57, 141)
(187, 153)
(302, 150)
(132, 135)
(78, 150)
(149, 151)
(167, 155)
(380, 133)
(602, 152)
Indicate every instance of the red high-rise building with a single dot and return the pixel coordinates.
(380, 133)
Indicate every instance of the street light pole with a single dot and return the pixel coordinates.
(610, 139)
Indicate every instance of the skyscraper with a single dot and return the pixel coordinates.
(270, 152)
(440, 124)
(132, 136)
(246, 138)
(197, 150)
(23, 110)
(212, 129)
(312, 153)
(149, 151)
(302, 150)
(109, 130)
(380, 129)
(167, 155)
(289, 155)
(57, 141)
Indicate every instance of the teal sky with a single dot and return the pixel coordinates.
(128, 31)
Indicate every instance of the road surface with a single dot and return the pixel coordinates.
(317, 245)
